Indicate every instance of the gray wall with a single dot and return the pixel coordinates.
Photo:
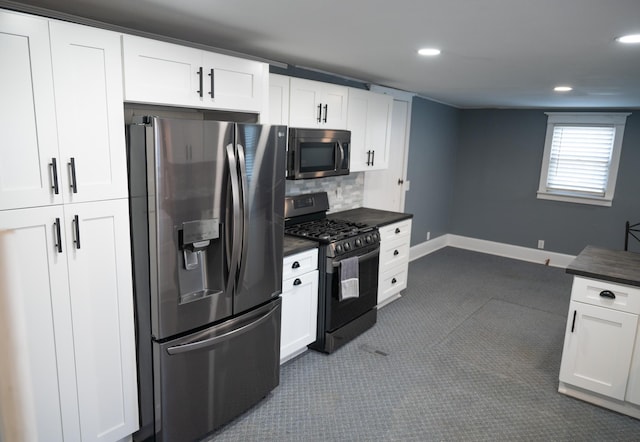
(497, 175)
(431, 168)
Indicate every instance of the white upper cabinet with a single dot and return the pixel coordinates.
(278, 99)
(163, 73)
(29, 148)
(316, 104)
(369, 120)
(87, 74)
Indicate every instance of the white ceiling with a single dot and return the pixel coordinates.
(495, 53)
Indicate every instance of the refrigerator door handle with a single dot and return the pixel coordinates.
(237, 220)
(244, 190)
(184, 348)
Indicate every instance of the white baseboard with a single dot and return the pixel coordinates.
(538, 256)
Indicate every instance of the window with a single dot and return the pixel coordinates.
(581, 155)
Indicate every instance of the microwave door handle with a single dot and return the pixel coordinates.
(341, 160)
(235, 196)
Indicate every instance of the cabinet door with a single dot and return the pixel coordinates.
(102, 314)
(278, 99)
(369, 120)
(334, 106)
(161, 73)
(304, 103)
(233, 83)
(87, 72)
(379, 129)
(38, 312)
(357, 124)
(29, 144)
(299, 313)
(597, 349)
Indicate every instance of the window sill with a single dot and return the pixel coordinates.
(569, 198)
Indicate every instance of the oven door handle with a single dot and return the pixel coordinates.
(361, 258)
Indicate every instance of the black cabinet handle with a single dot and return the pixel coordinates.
(199, 91)
(573, 324)
(368, 158)
(297, 281)
(58, 242)
(394, 280)
(396, 253)
(397, 230)
(319, 112)
(74, 182)
(326, 108)
(400, 181)
(54, 171)
(607, 294)
(295, 265)
(373, 157)
(76, 226)
(212, 93)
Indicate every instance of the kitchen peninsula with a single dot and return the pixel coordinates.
(601, 355)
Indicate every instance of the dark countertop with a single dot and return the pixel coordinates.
(609, 265)
(373, 217)
(293, 245)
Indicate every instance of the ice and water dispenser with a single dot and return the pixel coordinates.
(200, 252)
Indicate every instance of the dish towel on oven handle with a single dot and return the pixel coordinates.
(349, 279)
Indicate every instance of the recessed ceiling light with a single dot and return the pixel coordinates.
(563, 88)
(631, 38)
(429, 51)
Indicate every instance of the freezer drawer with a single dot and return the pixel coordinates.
(206, 379)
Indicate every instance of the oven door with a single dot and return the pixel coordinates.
(339, 313)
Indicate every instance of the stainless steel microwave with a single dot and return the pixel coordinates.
(317, 153)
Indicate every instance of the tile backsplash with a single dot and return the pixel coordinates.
(345, 192)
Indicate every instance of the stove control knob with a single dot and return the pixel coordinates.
(376, 237)
(338, 249)
(347, 247)
(368, 239)
(358, 242)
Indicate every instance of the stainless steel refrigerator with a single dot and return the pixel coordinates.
(207, 202)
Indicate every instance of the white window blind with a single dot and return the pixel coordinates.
(580, 159)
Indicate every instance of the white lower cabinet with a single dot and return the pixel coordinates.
(600, 362)
(299, 303)
(394, 260)
(74, 302)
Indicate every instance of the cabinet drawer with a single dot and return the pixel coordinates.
(394, 252)
(396, 230)
(594, 291)
(392, 281)
(299, 263)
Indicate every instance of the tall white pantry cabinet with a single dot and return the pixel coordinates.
(63, 202)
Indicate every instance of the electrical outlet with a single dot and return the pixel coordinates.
(339, 193)
(541, 243)
(428, 236)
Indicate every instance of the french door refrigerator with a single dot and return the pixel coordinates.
(206, 207)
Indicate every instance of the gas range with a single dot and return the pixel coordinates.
(343, 244)
(340, 236)
(306, 218)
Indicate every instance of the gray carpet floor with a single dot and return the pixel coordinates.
(470, 352)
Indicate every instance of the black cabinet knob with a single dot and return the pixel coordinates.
(607, 294)
(394, 280)
(297, 281)
(396, 253)
(397, 230)
(295, 265)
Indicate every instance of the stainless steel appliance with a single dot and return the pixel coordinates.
(207, 202)
(339, 319)
(317, 153)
